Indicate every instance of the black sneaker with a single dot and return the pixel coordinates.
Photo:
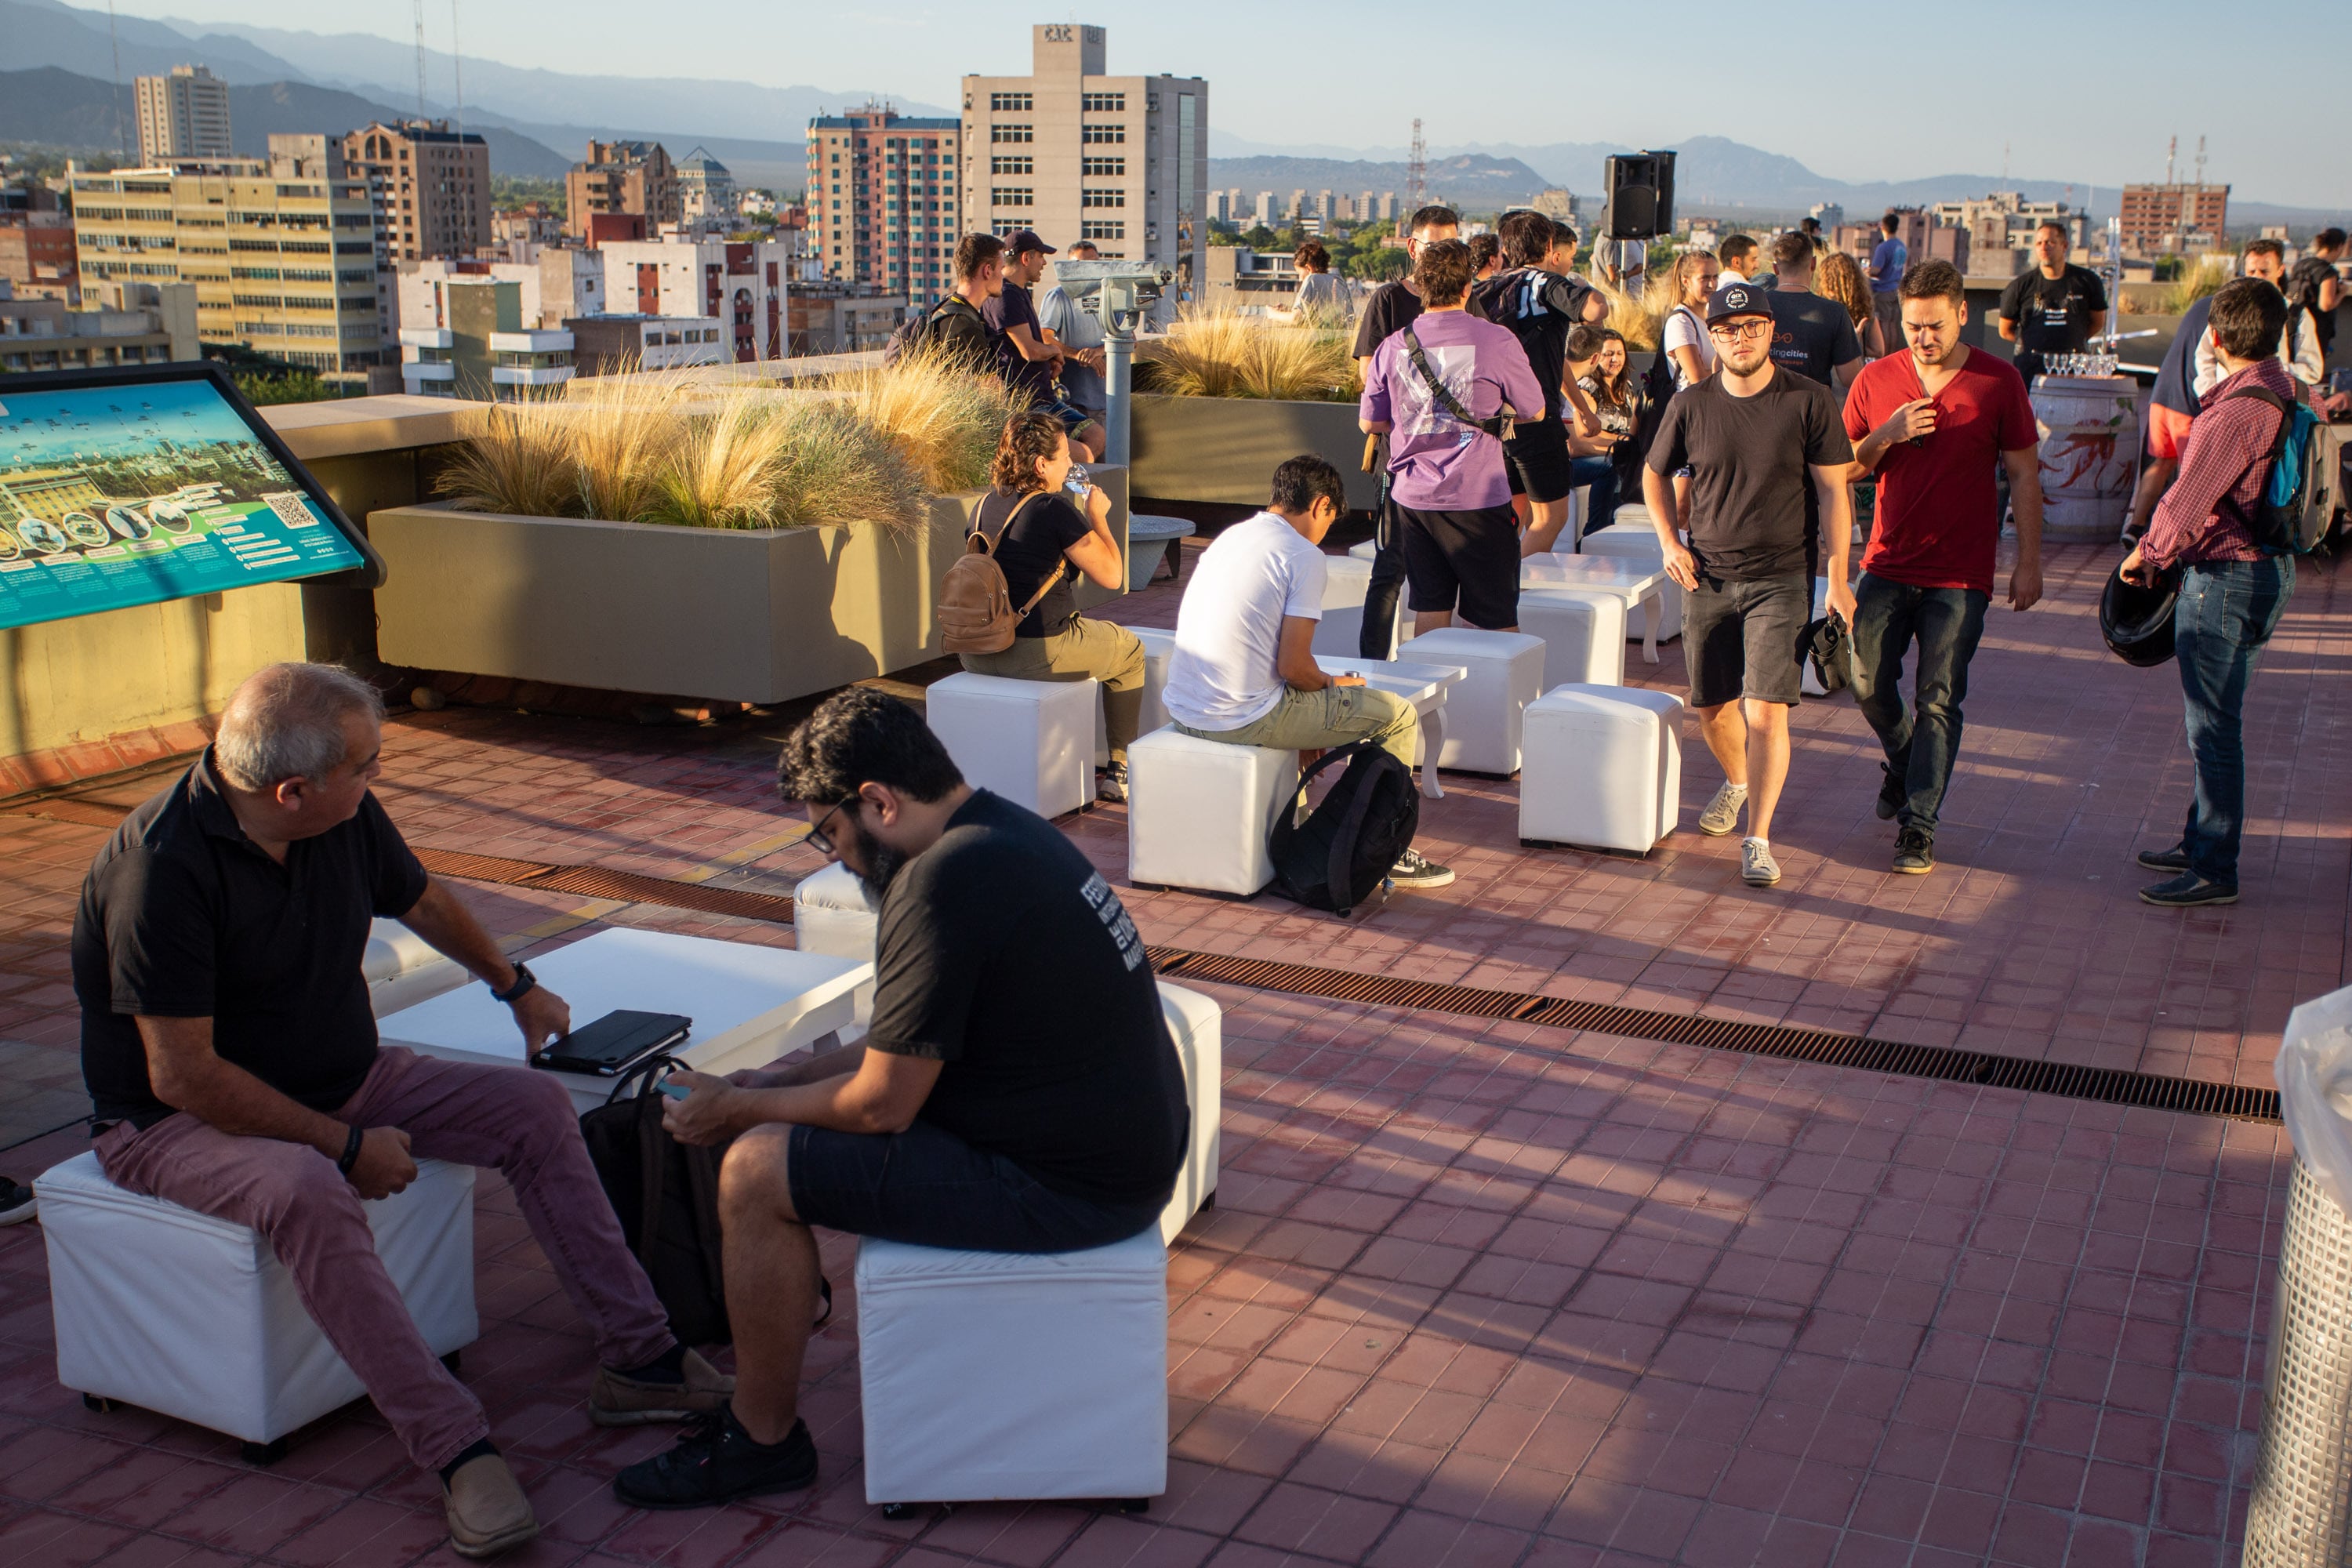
(1113, 786)
(716, 1462)
(1891, 794)
(1414, 870)
(2173, 859)
(1914, 852)
(2187, 890)
(15, 1202)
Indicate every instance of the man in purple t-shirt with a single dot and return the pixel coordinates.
(1452, 491)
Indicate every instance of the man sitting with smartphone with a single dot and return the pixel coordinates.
(232, 1060)
(1018, 1090)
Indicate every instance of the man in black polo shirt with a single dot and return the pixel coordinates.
(2055, 309)
(1018, 1090)
(232, 1060)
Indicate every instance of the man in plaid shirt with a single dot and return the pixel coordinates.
(2231, 591)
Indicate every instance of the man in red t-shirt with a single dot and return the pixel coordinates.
(1931, 424)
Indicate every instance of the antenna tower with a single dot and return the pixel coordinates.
(2201, 162)
(420, 59)
(122, 133)
(457, 72)
(1416, 170)
(2171, 155)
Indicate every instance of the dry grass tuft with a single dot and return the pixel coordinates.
(1629, 318)
(834, 466)
(520, 464)
(2174, 299)
(1223, 354)
(722, 468)
(623, 436)
(943, 419)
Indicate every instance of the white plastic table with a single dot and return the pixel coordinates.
(749, 1004)
(1635, 581)
(1422, 685)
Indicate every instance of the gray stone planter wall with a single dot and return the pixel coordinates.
(1226, 449)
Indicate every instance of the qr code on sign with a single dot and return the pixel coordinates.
(292, 508)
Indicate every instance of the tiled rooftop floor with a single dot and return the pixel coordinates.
(1481, 1292)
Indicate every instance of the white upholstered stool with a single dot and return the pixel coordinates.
(1014, 1376)
(1603, 768)
(832, 916)
(1504, 673)
(1637, 541)
(1583, 633)
(1198, 812)
(1346, 584)
(1159, 645)
(403, 969)
(1030, 742)
(194, 1317)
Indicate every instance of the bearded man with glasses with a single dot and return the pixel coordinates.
(1754, 439)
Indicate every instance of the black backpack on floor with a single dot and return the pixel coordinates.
(1340, 856)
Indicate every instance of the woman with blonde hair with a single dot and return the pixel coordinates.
(1037, 536)
(1839, 278)
(1682, 335)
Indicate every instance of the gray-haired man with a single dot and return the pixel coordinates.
(232, 1060)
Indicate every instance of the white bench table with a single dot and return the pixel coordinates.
(1422, 685)
(749, 1004)
(1633, 581)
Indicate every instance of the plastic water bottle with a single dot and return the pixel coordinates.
(1078, 482)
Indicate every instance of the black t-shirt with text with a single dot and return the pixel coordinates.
(1810, 335)
(1749, 459)
(183, 916)
(1004, 956)
(2052, 314)
(1390, 310)
(1012, 308)
(1537, 308)
(1042, 527)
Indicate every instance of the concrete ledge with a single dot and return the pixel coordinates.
(352, 425)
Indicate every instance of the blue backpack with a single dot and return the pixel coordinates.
(2290, 516)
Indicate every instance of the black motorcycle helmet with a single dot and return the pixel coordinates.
(2138, 622)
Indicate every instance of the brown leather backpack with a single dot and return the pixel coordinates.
(976, 613)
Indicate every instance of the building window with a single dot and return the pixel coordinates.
(1102, 198)
(1102, 228)
(1009, 102)
(1103, 102)
(1102, 135)
(1115, 168)
(1014, 165)
(1012, 134)
(1012, 197)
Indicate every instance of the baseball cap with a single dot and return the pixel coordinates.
(1737, 299)
(1022, 241)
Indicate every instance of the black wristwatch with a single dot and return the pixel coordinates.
(524, 981)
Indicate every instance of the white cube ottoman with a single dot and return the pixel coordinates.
(1198, 812)
(1583, 632)
(1603, 768)
(1030, 742)
(832, 916)
(403, 969)
(1346, 583)
(1158, 647)
(1197, 1025)
(1483, 710)
(194, 1317)
(998, 1375)
(1639, 542)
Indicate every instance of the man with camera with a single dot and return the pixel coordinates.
(1018, 1090)
(232, 1060)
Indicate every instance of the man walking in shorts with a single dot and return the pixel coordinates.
(1753, 437)
(1442, 390)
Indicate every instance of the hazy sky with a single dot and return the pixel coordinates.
(2086, 93)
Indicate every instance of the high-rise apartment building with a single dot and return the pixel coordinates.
(2172, 217)
(882, 200)
(635, 177)
(1077, 153)
(433, 186)
(182, 115)
(282, 250)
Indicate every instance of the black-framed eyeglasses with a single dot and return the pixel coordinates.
(816, 834)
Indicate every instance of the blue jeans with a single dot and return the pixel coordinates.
(2227, 610)
(1923, 739)
(1600, 502)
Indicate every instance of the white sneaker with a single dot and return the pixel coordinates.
(1757, 867)
(1722, 813)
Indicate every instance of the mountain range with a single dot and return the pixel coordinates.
(283, 80)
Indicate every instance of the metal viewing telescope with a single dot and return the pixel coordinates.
(1120, 293)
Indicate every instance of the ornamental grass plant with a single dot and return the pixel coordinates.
(1224, 354)
(943, 419)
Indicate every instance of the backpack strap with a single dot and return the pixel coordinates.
(1499, 428)
(989, 545)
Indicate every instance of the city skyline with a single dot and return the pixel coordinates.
(2003, 120)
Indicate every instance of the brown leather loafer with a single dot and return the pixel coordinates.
(620, 1401)
(488, 1512)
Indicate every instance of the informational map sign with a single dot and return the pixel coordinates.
(120, 488)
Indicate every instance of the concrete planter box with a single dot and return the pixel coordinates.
(1226, 448)
(739, 616)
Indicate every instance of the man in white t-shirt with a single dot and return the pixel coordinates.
(1243, 671)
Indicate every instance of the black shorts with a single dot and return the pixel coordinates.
(1740, 639)
(928, 1187)
(1539, 462)
(1465, 563)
